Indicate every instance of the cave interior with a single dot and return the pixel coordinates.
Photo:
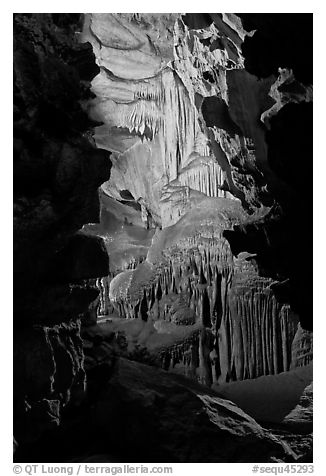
(162, 237)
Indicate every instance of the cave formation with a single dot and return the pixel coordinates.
(162, 230)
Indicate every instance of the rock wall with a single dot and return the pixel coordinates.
(57, 170)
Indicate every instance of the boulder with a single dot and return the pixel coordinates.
(156, 416)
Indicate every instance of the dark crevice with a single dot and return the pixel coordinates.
(216, 113)
(197, 21)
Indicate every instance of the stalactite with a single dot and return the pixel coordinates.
(244, 331)
(261, 335)
(146, 108)
(202, 284)
(103, 284)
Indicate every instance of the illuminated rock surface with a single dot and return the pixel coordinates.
(187, 127)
